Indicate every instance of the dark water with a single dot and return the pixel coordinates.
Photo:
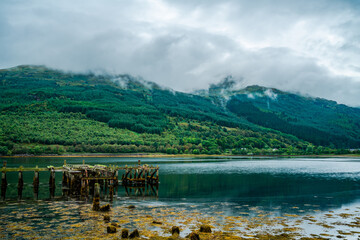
(264, 181)
(228, 185)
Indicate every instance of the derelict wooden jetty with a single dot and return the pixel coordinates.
(80, 179)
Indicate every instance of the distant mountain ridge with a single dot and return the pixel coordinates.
(292, 113)
(105, 113)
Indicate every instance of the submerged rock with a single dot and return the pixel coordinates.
(106, 218)
(131, 206)
(111, 229)
(283, 236)
(156, 222)
(174, 230)
(193, 236)
(205, 228)
(96, 205)
(124, 233)
(105, 208)
(134, 234)
(115, 224)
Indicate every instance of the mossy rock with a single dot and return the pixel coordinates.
(205, 229)
(124, 233)
(106, 218)
(115, 224)
(134, 234)
(193, 236)
(111, 229)
(105, 208)
(175, 230)
(157, 222)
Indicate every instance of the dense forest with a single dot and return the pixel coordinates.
(45, 111)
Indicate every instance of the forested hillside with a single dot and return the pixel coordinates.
(45, 111)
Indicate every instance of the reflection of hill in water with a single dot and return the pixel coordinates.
(268, 182)
(262, 189)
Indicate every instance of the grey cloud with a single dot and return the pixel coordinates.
(308, 47)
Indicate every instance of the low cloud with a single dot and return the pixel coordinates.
(312, 48)
(270, 94)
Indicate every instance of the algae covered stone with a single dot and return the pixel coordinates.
(105, 208)
(106, 218)
(111, 229)
(194, 236)
(134, 234)
(175, 230)
(124, 233)
(205, 228)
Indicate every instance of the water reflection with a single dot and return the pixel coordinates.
(267, 182)
(317, 197)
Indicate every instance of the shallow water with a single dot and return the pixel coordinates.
(244, 196)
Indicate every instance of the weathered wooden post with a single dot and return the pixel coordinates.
(65, 183)
(116, 182)
(125, 179)
(106, 186)
(140, 191)
(86, 183)
(36, 184)
(3, 185)
(157, 174)
(111, 190)
(101, 183)
(87, 188)
(3, 181)
(96, 200)
(151, 178)
(72, 183)
(20, 185)
(83, 188)
(52, 183)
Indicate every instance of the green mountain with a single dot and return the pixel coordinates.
(316, 120)
(54, 112)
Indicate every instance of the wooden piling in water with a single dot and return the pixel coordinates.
(111, 190)
(3, 185)
(116, 176)
(71, 183)
(65, 183)
(77, 180)
(106, 187)
(20, 185)
(83, 188)
(96, 200)
(36, 185)
(52, 183)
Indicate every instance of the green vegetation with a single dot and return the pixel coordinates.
(45, 111)
(271, 120)
(319, 121)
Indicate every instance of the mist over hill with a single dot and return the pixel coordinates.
(46, 111)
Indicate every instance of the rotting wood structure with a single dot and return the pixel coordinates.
(80, 179)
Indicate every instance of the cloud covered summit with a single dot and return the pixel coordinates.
(311, 47)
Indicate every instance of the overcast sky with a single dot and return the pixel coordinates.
(310, 46)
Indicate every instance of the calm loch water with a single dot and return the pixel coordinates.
(214, 188)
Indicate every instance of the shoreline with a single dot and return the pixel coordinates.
(163, 155)
(157, 223)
